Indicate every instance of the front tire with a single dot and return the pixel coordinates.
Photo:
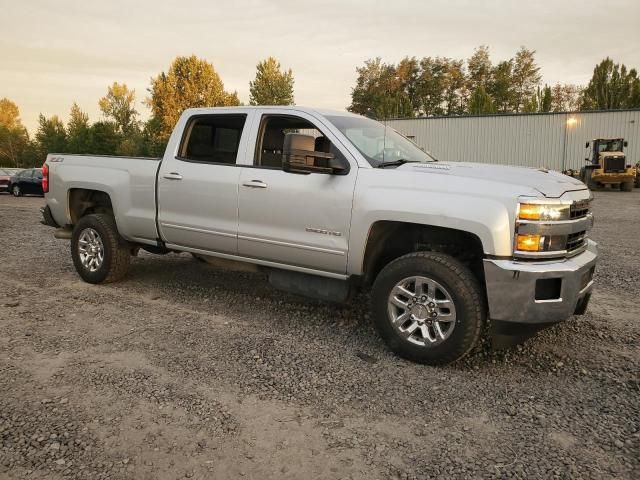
(626, 186)
(428, 307)
(99, 254)
(17, 192)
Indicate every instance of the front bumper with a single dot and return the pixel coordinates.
(511, 288)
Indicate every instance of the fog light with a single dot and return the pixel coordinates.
(529, 243)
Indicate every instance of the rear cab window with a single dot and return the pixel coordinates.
(212, 139)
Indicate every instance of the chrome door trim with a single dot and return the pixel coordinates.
(199, 230)
(292, 245)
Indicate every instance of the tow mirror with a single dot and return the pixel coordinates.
(299, 156)
(586, 145)
(626, 144)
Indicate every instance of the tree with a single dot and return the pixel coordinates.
(479, 68)
(190, 82)
(118, 105)
(374, 84)
(153, 143)
(9, 114)
(565, 98)
(432, 85)
(525, 78)
(272, 86)
(14, 140)
(51, 136)
(500, 87)
(546, 99)
(78, 131)
(481, 102)
(612, 87)
(104, 138)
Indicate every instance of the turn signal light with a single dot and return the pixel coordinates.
(529, 243)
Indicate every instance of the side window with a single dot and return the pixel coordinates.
(270, 142)
(37, 174)
(212, 139)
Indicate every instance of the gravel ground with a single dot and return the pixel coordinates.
(184, 371)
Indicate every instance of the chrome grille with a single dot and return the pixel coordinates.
(579, 209)
(575, 241)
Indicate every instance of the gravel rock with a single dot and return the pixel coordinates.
(183, 369)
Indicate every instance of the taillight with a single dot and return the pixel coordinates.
(45, 178)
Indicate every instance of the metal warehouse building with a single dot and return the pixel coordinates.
(552, 140)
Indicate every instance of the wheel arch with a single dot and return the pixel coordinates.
(389, 240)
(84, 201)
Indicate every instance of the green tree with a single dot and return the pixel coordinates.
(372, 86)
(153, 143)
(481, 102)
(479, 68)
(500, 87)
(78, 131)
(190, 82)
(612, 87)
(14, 140)
(118, 105)
(272, 85)
(546, 99)
(51, 136)
(104, 138)
(525, 78)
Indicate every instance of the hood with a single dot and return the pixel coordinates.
(547, 182)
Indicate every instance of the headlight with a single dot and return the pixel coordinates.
(547, 228)
(543, 212)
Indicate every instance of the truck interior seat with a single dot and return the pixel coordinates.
(272, 143)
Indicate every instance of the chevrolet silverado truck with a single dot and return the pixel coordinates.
(328, 203)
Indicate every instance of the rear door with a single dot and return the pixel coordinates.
(27, 182)
(293, 219)
(198, 187)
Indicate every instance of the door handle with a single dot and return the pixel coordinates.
(255, 184)
(172, 176)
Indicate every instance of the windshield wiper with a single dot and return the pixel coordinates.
(396, 163)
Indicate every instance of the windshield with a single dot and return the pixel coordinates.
(376, 143)
(610, 146)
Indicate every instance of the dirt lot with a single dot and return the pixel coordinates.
(183, 371)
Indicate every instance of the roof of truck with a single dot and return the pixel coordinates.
(293, 108)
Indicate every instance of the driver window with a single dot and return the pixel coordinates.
(271, 139)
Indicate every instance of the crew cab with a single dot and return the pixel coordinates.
(331, 202)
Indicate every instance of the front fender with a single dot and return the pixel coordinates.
(489, 217)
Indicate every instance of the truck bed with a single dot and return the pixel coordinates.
(129, 181)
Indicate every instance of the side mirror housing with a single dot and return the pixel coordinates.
(299, 156)
(587, 145)
(625, 143)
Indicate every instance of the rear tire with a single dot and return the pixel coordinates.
(455, 283)
(626, 186)
(99, 254)
(16, 191)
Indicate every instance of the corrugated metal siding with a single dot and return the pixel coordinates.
(540, 140)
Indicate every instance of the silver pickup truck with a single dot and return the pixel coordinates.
(327, 203)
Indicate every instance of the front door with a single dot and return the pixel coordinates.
(198, 188)
(293, 219)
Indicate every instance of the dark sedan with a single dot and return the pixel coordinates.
(26, 182)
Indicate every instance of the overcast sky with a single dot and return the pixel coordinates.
(56, 52)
